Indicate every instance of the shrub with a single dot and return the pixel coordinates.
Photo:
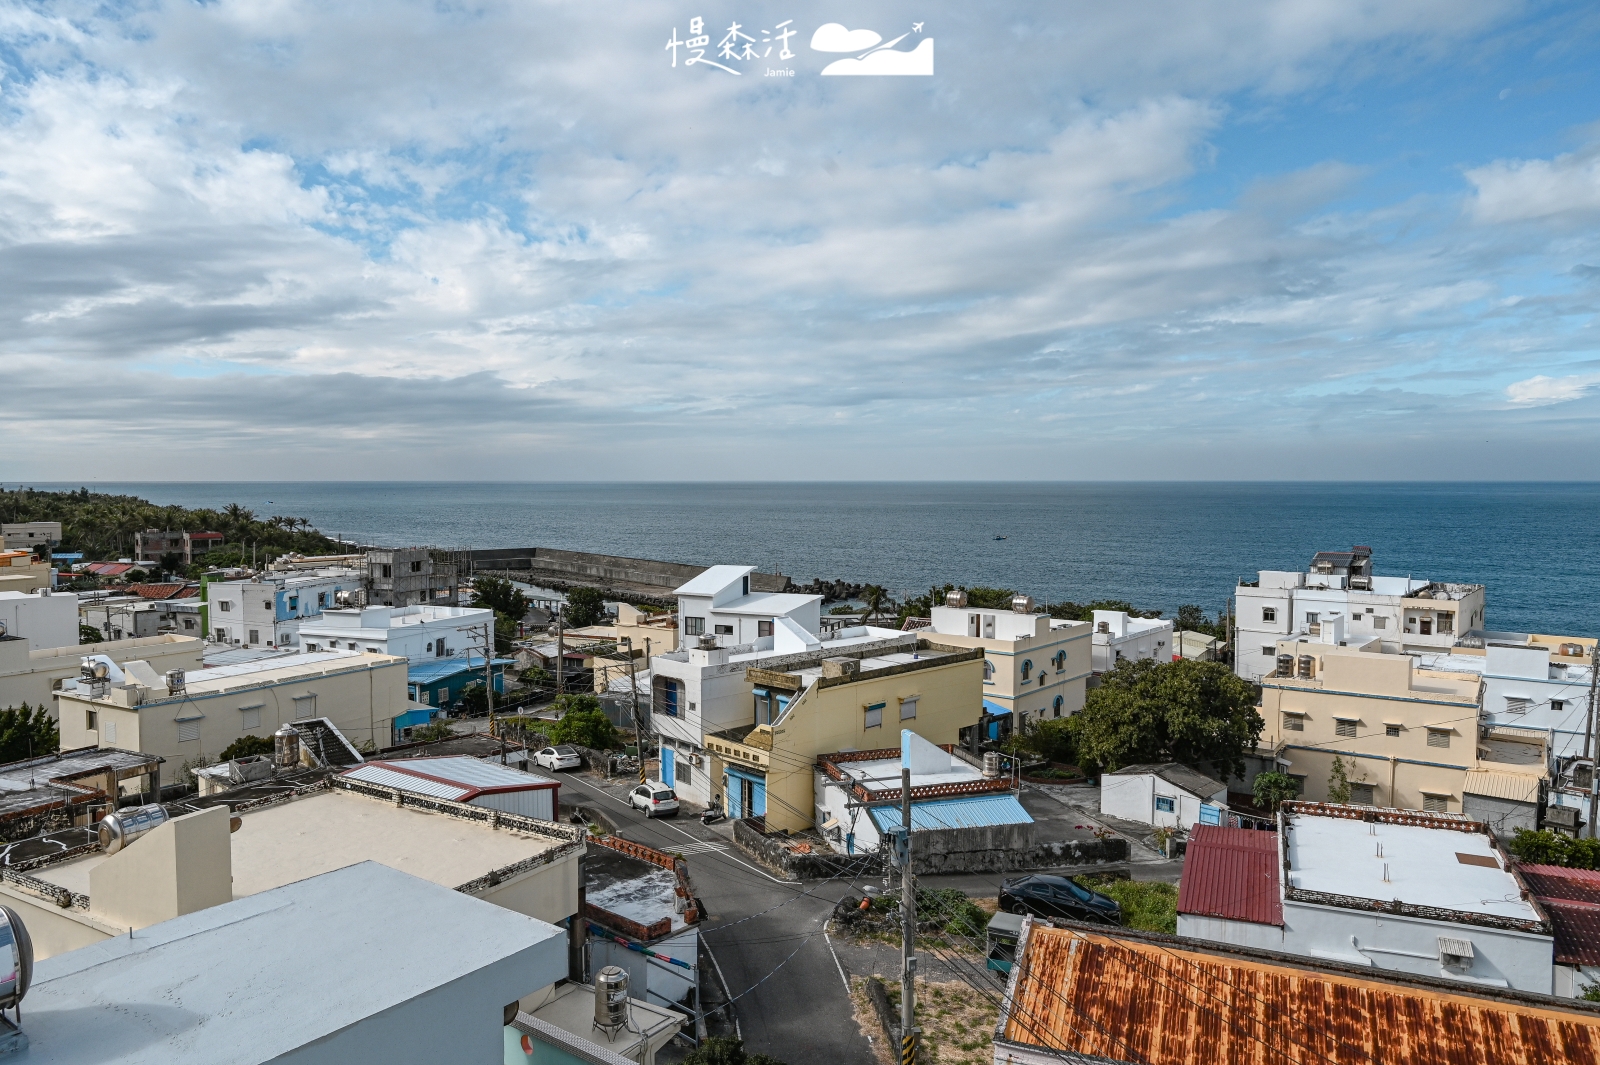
(245, 746)
(585, 606)
(1148, 905)
(582, 722)
(1552, 848)
(90, 634)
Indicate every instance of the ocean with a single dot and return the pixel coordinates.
(1155, 545)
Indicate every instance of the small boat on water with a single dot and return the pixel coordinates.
(999, 537)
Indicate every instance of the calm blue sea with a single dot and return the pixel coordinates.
(1156, 545)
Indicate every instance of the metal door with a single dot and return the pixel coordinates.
(668, 764)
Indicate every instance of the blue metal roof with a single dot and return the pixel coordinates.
(975, 812)
(432, 670)
(996, 708)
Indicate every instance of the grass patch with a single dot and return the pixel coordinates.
(1148, 905)
(957, 1023)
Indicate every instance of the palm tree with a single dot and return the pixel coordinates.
(875, 599)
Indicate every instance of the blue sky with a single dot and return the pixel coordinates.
(1299, 239)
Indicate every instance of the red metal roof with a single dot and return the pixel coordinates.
(157, 591)
(1572, 899)
(1231, 873)
(109, 569)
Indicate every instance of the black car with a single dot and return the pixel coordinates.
(1057, 896)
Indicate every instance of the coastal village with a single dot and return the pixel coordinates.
(335, 801)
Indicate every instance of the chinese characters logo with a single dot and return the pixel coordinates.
(875, 56)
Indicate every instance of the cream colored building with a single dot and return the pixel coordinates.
(1034, 667)
(839, 704)
(20, 573)
(192, 862)
(650, 634)
(1409, 737)
(135, 709)
(32, 677)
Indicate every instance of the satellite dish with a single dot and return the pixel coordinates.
(16, 958)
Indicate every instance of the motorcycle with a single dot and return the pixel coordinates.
(712, 814)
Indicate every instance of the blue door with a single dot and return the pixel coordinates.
(667, 763)
(758, 806)
(731, 796)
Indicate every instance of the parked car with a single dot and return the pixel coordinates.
(564, 756)
(1057, 896)
(654, 798)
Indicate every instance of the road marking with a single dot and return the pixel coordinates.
(727, 996)
(836, 962)
(702, 848)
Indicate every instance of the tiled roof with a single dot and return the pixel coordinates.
(1572, 899)
(1231, 873)
(108, 569)
(166, 590)
(1148, 999)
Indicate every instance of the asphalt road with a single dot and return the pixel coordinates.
(791, 999)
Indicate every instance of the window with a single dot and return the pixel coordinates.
(1061, 661)
(439, 649)
(441, 696)
(1379, 622)
(1438, 737)
(1057, 705)
(988, 671)
(249, 718)
(1294, 722)
(1344, 726)
(1436, 804)
(1427, 627)
(222, 635)
(1269, 613)
(294, 602)
(1447, 623)
(874, 715)
(744, 586)
(988, 626)
(322, 600)
(430, 647)
(255, 635)
(189, 731)
(664, 696)
(1516, 704)
(91, 721)
(1361, 794)
(266, 604)
(387, 570)
(351, 646)
(682, 771)
(724, 630)
(908, 708)
(763, 628)
(416, 567)
(373, 651)
(694, 626)
(110, 732)
(1027, 668)
(310, 647)
(1299, 782)
(1165, 804)
(1268, 650)
(188, 623)
(305, 706)
(1391, 731)
(1312, 617)
(224, 605)
(1557, 705)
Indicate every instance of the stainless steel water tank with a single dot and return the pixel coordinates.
(119, 829)
(1308, 666)
(1286, 665)
(611, 999)
(286, 747)
(16, 972)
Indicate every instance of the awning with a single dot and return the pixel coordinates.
(979, 811)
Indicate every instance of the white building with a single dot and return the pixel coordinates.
(1121, 638)
(412, 632)
(43, 619)
(1167, 796)
(719, 603)
(1033, 667)
(27, 535)
(1428, 894)
(268, 610)
(1404, 613)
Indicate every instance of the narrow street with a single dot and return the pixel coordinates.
(799, 1010)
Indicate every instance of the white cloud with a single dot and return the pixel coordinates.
(1522, 189)
(1542, 391)
(833, 37)
(887, 61)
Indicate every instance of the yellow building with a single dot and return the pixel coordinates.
(32, 677)
(839, 704)
(19, 572)
(648, 634)
(1408, 737)
(137, 709)
(1035, 667)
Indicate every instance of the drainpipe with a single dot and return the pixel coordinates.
(1394, 764)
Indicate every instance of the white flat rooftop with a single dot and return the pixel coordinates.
(267, 978)
(329, 830)
(1426, 866)
(897, 658)
(767, 604)
(884, 773)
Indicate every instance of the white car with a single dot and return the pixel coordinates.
(654, 798)
(564, 756)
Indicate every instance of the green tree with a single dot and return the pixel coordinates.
(537, 677)
(1183, 711)
(990, 598)
(90, 634)
(726, 1050)
(474, 701)
(585, 606)
(26, 732)
(582, 722)
(1270, 789)
(1070, 611)
(501, 596)
(1339, 779)
(1051, 739)
(1552, 848)
(245, 746)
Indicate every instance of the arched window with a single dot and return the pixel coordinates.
(1061, 661)
(1027, 667)
(988, 671)
(1056, 706)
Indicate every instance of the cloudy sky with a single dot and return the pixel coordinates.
(1290, 239)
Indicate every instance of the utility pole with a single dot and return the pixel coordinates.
(488, 675)
(908, 916)
(561, 655)
(638, 724)
(1588, 738)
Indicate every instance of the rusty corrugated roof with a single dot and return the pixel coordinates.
(1127, 999)
(157, 590)
(1231, 873)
